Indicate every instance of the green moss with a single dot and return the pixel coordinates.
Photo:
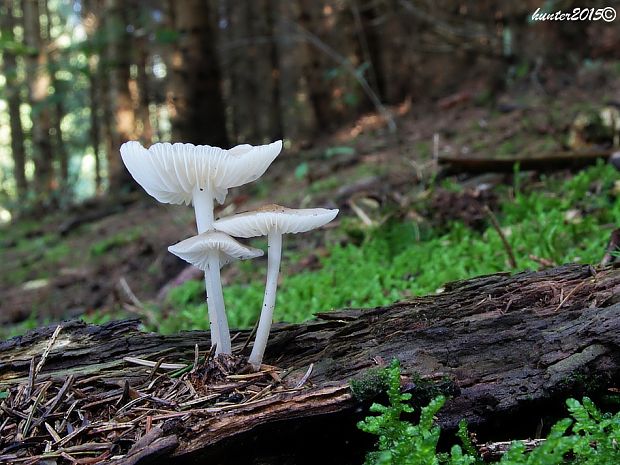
(117, 240)
(397, 260)
(508, 147)
(325, 185)
(370, 384)
(56, 253)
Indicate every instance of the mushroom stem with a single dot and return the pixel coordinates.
(220, 333)
(211, 305)
(203, 208)
(274, 241)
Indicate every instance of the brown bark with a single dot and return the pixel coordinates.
(195, 96)
(550, 161)
(315, 67)
(91, 22)
(13, 88)
(118, 99)
(144, 114)
(271, 9)
(39, 84)
(241, 54)
(507, 349)
(59, 146)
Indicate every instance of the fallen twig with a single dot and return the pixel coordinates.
(502, 236)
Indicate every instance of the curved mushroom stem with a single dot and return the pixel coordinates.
(217, 313)
(274, 241)
(203, 208)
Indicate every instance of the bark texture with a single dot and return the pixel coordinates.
(195, 96)
(508, 349)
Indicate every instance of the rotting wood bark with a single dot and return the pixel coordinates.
(509, 349)
(547, 162)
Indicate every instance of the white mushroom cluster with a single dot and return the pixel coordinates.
(200, 174)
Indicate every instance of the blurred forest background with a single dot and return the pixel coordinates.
(81, 77)
(367, 95)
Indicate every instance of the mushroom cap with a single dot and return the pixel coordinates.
(195, 250)
(171, 172)
(275, 218)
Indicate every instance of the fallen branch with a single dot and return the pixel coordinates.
(547, 162)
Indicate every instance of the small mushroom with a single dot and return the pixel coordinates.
(210, 251)
(186, 173)
(272, 221)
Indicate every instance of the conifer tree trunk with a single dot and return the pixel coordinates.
(144, 114)
(60, 148)
(94, 129)
(13, 88)
(39, 84)
(271, 9)
(118, 98)
(315, 66)
(195, 97)
(91, 21)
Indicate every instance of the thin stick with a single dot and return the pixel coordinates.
(34, 408)
(303, 380)
(152, 364)
(47, 350)
(575, 289)
(498, 228)
(250, 336)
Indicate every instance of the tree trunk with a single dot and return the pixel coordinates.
(39, 84)
(95, 139)
(119, 101)
(271, 9)
(369, 44)
(144, 113)
(507, 350)
(195, 97)
(315, 67)
(90, 21)
(59, 146)
(13, 88)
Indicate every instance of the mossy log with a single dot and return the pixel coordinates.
(507, 349)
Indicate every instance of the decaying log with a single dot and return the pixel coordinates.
(507, 349)
(546, 162)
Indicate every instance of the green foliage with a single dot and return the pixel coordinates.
(588, 438)
(117, 240)
(398, 260)
(302, 170)
(331, 152)
(190, 292)
(401, 442)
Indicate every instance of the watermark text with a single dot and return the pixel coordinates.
(607, 14)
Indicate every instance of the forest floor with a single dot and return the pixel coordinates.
(117, 264)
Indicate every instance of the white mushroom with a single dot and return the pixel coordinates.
(184, 173)
(209, 251)
(272, 221)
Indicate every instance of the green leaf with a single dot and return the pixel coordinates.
(342, 150)
(302, 170)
